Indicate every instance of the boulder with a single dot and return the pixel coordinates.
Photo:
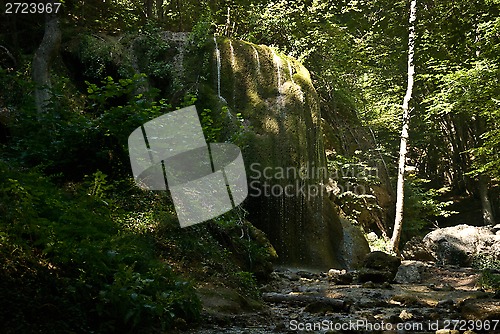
(410, 272)
(379, 267)
(354, 247)
(462, 244)
(414, 249)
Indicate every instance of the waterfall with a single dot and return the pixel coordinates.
(217, 55)
(280, 101)
(278, 63)
(257, 58)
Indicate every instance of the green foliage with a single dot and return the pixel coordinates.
(114, 274)
(248, 284)
(489, 266)
(152, 299)
(489, 280)
(102, 56)
(202, 31)
(57, 139)
(211, 126)
(422, 207)
(152, 53)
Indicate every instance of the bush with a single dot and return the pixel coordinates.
(66, 250)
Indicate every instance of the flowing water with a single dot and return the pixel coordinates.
(278, 63)
(217, 55)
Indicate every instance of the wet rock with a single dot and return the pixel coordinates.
(222, 300)
(442, 287)
(379, 267)
(320, 307)
(291, 276)
(410, 272)
(415, 249)
(459, 245)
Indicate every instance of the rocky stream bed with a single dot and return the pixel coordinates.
(445, 299)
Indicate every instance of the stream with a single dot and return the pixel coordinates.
(297, 301)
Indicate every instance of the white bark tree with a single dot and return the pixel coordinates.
(398, 223)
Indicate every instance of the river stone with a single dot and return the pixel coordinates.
(462, 244)
(379, 267)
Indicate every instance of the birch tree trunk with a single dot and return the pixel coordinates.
(398, 223)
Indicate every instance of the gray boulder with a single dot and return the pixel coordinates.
(354, 247)
(414, 249)
(410, 272)
(462, 244)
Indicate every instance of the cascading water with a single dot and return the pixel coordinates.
(278, 64)
(280, 100)
(217, 56)
(257, 58)
(287, 135)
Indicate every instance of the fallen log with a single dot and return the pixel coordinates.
(332, 303)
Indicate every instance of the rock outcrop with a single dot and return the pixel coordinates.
(463, 244)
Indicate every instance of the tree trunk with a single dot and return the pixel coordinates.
(488, 216)
(149, 8)
(159, 9)
(43, 59)
(398, 223)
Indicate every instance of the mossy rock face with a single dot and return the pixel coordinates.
(283, 151)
